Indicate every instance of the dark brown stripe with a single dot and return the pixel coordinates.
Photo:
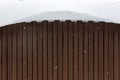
(45, 52)
(100, 34)
(85, 50)
(90, 51)
(70, 46)
(60, 51)
(65, 51)
(55, 50)
(40, 51)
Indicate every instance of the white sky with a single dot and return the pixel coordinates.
(62, 0)
(11, 10)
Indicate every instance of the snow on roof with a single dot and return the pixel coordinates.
(59, 15)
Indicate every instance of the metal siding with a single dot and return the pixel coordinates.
(60, 51)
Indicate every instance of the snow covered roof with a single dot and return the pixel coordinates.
(59, 15)
(62, 15)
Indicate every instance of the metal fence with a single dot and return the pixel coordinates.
(60, 51)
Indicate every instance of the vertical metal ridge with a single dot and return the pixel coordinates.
(49, 37)
(16, 51)
(4, 62)
(62, 50)
(101, 50)
(80, 46)
(19, 52)
(55, 50)
(90, 50)
(34, 51)
(29, 48)
(1, 53)
(96, 51)
(85, 51)
(106, 52)
(65, 51)
(40, 51)
(110, 52)
(119, 51)
(60, 54)
(45, 52)
(24, 27)
(70, 46)
(116, 53)
(75, 51)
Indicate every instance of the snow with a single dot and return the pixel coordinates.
(59, 15)
(62, 15)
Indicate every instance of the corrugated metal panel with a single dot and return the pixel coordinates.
(60, 51)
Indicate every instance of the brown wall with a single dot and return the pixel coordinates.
(60, 51)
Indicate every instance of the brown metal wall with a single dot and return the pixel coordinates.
(60, 51)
